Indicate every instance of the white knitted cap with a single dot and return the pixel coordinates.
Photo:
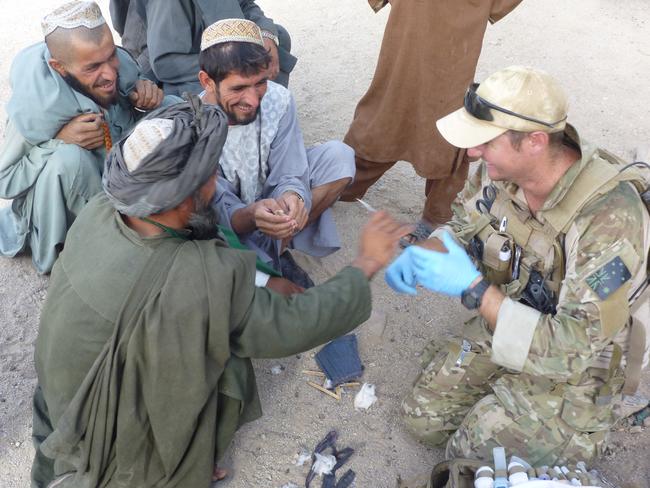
(231, 30)
(72, 15)
(144, 139)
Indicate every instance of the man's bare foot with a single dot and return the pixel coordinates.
(218, 474)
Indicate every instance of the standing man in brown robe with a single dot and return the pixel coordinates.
(428, 58)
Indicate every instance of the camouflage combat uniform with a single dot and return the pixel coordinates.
(545, 385)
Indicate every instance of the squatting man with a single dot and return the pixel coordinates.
(144, 345)
(72, 95)
(272, 191)
(560, 236)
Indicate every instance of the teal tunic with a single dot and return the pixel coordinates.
(48, 180)
(143, 351)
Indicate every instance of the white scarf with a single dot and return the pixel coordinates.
(244, 159)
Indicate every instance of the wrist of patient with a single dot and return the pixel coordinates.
(298, 195)
(368, 265)
(243, 220)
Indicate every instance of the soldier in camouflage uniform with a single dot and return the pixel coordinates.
(560, 237)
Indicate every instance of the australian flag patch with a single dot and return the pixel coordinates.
(609, 278)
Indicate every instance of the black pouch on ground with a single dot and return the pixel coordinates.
(340, 360)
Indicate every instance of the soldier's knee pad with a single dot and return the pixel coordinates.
(425, 432)
(422, 424)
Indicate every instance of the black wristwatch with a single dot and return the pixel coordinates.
(471, 298)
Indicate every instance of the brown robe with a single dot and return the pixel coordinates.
(428, 58)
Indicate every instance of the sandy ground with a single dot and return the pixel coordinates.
(599, 49)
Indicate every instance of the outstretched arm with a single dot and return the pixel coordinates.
(276, 326)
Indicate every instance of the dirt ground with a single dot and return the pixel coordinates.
(599, 49)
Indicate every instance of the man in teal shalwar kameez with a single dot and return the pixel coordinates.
(144, 346)
(72, 96)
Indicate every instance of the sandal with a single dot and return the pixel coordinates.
(294, 273)
(422, 231)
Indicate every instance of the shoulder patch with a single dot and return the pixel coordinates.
(609, 278)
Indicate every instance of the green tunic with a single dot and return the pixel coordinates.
(143, 347)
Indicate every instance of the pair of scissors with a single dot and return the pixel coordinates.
(483, 205)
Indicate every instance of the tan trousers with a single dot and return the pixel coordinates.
(454, 406)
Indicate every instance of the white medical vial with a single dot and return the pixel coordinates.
(484, 477)
(516, 473)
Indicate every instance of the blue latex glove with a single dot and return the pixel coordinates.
(450, 273)
(400, 274)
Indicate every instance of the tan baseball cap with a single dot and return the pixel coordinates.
(515, 98)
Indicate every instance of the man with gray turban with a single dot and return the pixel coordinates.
(144, 346)
(72, 96)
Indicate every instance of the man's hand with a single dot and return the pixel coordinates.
(84, 130)
(272, 220)
(283, 286)
(433, 244)
(450, 273)
(294, 207)
(146, 95)
(378, 243)
(274, 65)
(400, 275)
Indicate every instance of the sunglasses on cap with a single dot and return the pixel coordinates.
(481, 108)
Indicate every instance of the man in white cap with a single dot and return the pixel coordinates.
(275, 194)
(144, 345)
(549, 245)
(72, 96)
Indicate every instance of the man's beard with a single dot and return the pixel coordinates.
(203, 221)
(233, 120)
(232, 115)
(76, 85)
